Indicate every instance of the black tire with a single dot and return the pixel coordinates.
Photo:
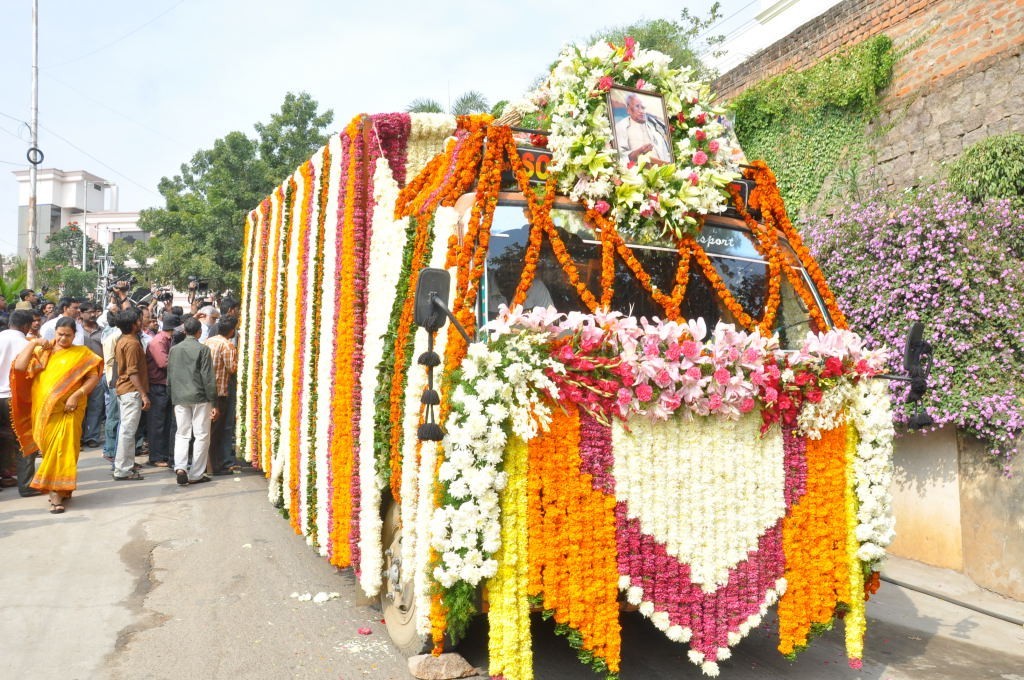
(397, 599)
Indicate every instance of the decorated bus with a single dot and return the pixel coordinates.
(647, 396)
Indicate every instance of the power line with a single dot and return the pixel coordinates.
(117, 40)
(86, 153)
(112, 109)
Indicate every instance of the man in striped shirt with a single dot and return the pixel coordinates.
(225, 365)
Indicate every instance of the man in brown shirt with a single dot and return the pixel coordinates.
(132, 389)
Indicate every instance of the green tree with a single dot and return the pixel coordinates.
(683, 40)
(200, 230)
(466, 103)
(992, 168)
(61, 267)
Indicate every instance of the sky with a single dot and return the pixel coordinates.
(130, 90)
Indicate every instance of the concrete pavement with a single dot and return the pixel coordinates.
(151, 580)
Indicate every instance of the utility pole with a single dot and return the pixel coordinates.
(35, 156)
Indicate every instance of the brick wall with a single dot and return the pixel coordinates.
(961, 84)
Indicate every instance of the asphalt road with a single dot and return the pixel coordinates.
(151, 580)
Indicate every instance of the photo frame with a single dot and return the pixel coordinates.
(631, 135)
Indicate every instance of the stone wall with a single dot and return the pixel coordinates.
(956, 84)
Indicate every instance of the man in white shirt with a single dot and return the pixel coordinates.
(12, 341)
(641, 133)
(65, 307)
(208, 317)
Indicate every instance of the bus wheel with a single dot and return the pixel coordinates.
(397, 596)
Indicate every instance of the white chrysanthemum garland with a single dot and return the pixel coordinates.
(418, 461)
(498, 391)
(427, 132)
(871, 415)
(644, 199)
(388, 238)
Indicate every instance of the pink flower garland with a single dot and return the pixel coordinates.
(794, 448)
(666, 583)
(387, 134)
(339, 245)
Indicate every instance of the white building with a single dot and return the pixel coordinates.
(75, 196)
(775, 20)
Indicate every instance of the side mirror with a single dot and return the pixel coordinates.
(432, 283)
(917, 361)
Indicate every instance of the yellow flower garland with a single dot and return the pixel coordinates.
(509, 644)
(270, 329)
(855, 620)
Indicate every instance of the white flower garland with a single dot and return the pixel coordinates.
(290, 347)
(642, 198)
(388, 238)
(829, 413)
(500, 387)
(871, 415)
(705, 488)
(326, 330)
(417, 485)
(426, 139)
(277, 491)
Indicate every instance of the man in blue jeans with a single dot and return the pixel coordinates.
(132, 387)
(96, 408)
(109, 339)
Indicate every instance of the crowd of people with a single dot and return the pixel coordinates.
(134, 378)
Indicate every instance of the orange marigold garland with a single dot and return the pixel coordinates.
(340, 437)
(814, 542)
(768, 199)
(297, 368)
(572, 540)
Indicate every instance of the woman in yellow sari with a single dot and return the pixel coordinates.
(50, 386)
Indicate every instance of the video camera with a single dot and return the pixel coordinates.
(164, 295)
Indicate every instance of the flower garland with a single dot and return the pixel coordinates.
(275, 338)
(427, 132)
(316, 312)
(265, 326)
(854, 621)
(285, 457)
(299, 448)
(403, 349)
(340, 430)
(382, 282)
(619, 366)
(871, 415)
(332, 229)
(768, 200)
(250, 346)
(572, 536)
(702, 570)
(509, 641)
(814, 541)
(817, 383)
(643, 198)
(498, 391)
(420, 459)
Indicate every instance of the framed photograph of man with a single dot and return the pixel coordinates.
(639, 125)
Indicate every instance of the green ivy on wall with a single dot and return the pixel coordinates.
(807, 124)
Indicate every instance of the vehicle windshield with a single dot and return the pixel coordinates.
(729, 247)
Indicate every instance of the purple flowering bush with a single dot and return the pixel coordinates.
(935, 257)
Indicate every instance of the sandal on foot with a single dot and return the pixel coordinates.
(202, 479)
(182, 477)
(133, 476)
(56, 508)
